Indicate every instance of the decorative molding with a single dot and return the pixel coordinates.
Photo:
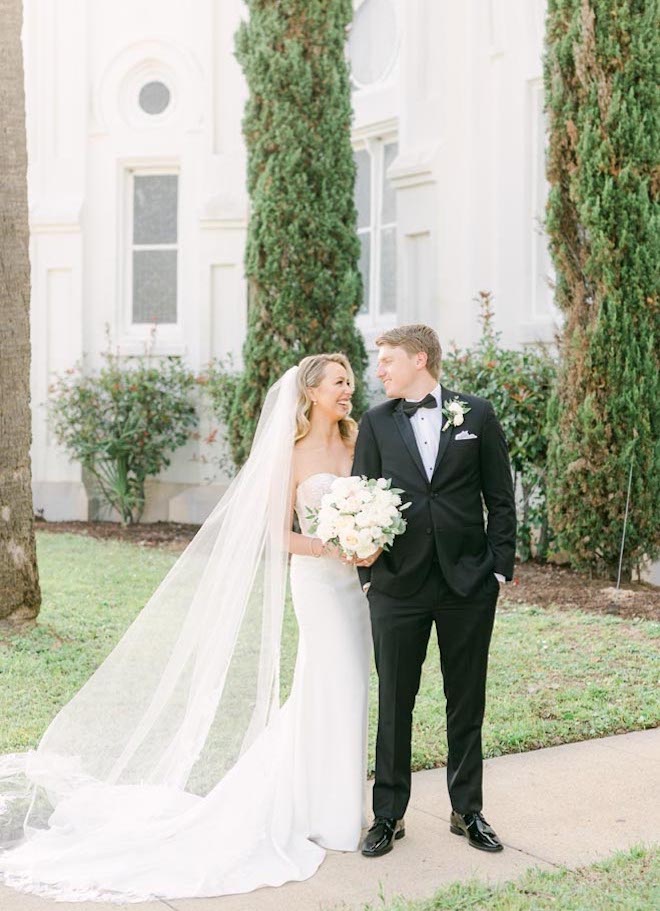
(57, 215)
(497, 36)
(128, 346)
(378, 128)
(115, 96)
(224, 210)
(414, 169)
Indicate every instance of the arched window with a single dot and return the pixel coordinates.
(373, 42)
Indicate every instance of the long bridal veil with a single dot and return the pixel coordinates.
(188, 688)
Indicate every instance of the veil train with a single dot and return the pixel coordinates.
(186, 691)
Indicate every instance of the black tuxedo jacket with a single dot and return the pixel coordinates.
(446, 518)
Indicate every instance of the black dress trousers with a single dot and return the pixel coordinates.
(401, 631)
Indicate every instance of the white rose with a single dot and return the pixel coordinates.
(381, 497)
(328, 515)
(349, 540)
(382, 518)
(346, 487)
(363, 552)
(366, 544)
(458, 420)
(352, 504)
(363, 519)
(455, 407)
(365, 536)
(344, 524)
(382, 483)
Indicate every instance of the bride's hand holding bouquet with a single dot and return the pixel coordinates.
(359, 518)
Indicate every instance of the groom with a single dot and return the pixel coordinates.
(448, 453)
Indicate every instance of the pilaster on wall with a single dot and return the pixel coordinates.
(54, 39)
(414, 172)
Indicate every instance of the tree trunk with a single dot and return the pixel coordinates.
(20, 597)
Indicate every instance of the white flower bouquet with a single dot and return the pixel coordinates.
(359, 515)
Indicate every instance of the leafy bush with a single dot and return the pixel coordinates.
(221, 381)
(518, 383)
(122, 423)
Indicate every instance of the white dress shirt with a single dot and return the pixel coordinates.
(426, 424)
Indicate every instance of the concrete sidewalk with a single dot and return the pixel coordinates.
(569, 805)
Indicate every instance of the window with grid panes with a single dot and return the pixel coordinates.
(154, 247)
(375, 201)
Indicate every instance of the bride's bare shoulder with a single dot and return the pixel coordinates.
(299, 462)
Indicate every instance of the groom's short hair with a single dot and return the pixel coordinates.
(414, 338)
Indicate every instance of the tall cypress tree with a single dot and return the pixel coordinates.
(302, 247)
(601, 78)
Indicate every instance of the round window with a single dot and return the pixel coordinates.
(372, 43)
(154, 97)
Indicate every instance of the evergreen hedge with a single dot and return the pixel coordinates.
(302, 247)
(602, 72)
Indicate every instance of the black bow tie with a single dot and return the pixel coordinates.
(410, 408)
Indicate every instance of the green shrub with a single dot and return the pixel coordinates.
(122, 423)
(518, 383)
(221, 380)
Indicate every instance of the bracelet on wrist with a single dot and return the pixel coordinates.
(313, 542)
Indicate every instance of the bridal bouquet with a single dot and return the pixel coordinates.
(359, 515)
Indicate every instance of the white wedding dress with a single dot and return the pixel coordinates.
(297, 790)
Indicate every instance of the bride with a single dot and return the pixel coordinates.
(174, 772)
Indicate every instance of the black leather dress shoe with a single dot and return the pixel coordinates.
(476, 830)
(381, 836)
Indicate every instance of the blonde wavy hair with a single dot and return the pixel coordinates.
(311, 371)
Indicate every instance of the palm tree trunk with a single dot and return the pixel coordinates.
(20, 597)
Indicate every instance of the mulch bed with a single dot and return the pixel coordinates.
(535, 583)
(166, 535)
(546, 584)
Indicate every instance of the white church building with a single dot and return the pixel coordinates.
(138, 206)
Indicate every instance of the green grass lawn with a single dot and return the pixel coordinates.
(628, 881)
(555, 676)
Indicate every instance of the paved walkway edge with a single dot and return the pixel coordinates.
(569, 806)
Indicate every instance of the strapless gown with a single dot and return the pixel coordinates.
(298, 790)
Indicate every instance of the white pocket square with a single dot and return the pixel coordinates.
(465, 435)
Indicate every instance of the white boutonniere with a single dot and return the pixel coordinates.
(455, 412)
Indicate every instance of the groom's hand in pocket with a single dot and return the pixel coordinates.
(371, 559)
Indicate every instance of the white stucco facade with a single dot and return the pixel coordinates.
(448, 131)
